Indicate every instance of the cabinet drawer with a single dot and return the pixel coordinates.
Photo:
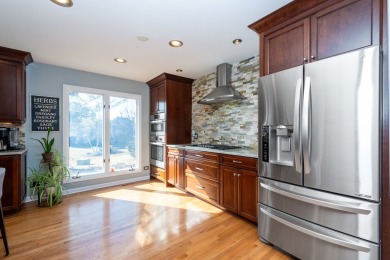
(240, 162)
(175, 150)
(201, 155)
(205, 189)
(157, 173)
(205, 170)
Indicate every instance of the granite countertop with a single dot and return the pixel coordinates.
(12, 152)
(246, 152)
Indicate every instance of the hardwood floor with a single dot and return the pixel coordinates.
(142, 220)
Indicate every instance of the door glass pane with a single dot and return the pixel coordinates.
(85, 133)
(123, 134)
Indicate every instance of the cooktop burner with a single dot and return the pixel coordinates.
(216, 146)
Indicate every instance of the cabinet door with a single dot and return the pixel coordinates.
(247, 194)
(171, 168)
(12, 92)
(343, 27)
(10, 196)
(285, 47)
(161, 98)
(153, 100)
(229, 189)
(179, 180)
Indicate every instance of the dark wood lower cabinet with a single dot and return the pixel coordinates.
(175, 168)
(157, 173)
(14, 187)
(239, 192)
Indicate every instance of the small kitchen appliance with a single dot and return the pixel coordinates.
(3, 138)
(13, 139)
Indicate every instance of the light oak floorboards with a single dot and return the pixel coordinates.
(142, 220)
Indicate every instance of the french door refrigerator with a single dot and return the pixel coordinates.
(319, 194)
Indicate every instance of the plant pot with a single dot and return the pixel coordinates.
(47, 157)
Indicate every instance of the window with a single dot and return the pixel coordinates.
(101, 131)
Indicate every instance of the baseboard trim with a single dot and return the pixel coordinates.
(95, 187)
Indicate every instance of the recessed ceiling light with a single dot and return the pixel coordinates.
(64, 3)
(142, 38)
(176, 43)
(179, 70)
(120, 60)
(237, 41)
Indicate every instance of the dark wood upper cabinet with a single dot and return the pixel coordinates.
(288, 47)
(157, 99)
(172, 95)
(13, 84)
(342, 27)
(326, 29)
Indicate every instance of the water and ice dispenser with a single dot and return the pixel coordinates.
(277, 145)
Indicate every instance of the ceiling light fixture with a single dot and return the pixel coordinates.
(179, 70)
(237, 41)
(176, 43)
(120, 60)
(64, 3)
(142, 38)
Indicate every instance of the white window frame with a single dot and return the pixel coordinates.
(106, 132)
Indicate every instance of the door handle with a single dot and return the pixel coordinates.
(297, 127)
(336, 241)
(322, 203)
(306, 125)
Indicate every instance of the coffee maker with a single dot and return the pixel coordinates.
(3, 138)
(13, 139)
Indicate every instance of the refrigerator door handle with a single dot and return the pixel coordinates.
(297, 127)
(343, 243)
(306, 125)
(322, 203)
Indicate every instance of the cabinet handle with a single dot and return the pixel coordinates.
(199, 169)
(198, 155)
(238, 175)
(200, 187)
(305, 59)
(237, 161)
(235, 174)
(312, 57)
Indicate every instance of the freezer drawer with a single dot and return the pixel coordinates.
(352, 216)
(309, 241)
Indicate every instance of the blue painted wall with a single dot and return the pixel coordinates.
(47, 80)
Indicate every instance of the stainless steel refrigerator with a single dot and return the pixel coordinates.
(319, 194)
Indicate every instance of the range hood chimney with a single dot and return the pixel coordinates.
(224, 91)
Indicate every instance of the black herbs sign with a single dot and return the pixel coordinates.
(45, 113)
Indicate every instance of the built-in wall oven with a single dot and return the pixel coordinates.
(157, 125)
(157, 140)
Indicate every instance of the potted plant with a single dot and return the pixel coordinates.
(47, 182)
(47, 145)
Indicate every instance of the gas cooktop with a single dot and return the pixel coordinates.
(215, 146)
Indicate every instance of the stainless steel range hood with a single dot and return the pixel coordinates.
(224, 91)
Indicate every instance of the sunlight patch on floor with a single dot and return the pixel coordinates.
(158, 196)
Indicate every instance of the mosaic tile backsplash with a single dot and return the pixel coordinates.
(229, 123)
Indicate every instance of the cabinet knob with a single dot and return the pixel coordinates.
(305, 59)
(238, 175)
(235, 174)
(312, 57)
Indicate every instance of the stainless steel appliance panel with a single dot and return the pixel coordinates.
(340, 124)
(306, 240)
(277, 97)
(157, 154)
(279, 119)
(355, 217)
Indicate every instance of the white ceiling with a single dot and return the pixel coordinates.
(89, 35)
